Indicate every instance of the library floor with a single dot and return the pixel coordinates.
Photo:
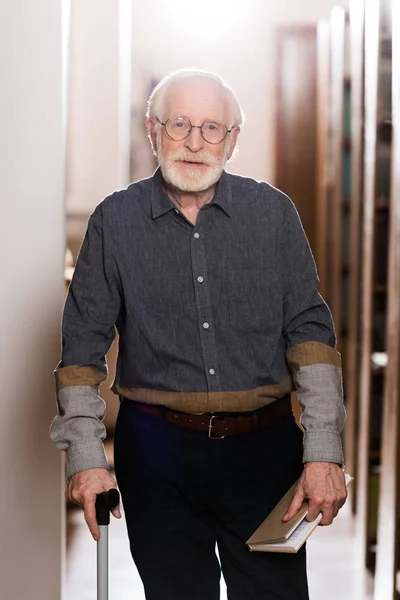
(332, 560)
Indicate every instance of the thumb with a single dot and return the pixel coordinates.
(294, 506)
(116, 512)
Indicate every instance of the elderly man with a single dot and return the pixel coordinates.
(210, 282)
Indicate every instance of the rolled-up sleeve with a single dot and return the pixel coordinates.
(88, 330)
(311, 354)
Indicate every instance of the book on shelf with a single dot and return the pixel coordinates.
(275, 535)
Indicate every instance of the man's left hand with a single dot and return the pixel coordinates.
(323, 485)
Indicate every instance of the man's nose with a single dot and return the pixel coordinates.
(194, 141)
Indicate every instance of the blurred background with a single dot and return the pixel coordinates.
(319, 82)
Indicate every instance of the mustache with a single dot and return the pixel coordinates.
(202, 156)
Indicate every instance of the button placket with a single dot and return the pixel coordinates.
(204, 311)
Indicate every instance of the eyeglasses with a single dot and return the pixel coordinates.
(179, 128)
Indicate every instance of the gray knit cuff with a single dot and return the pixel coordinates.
(85, 456)
(323, 446)
(79, 430)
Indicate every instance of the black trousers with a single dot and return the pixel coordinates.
(184, 493)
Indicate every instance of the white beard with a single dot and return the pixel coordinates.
(192, 180)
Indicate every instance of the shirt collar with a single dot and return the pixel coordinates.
(161, 203)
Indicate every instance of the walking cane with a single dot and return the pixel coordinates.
(104, 503)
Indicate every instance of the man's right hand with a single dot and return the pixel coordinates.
(82, 489)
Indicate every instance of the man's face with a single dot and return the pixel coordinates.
(192, 164)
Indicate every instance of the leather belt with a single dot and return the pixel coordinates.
(220, 425)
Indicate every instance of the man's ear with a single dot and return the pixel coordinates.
(151, 129)
(234, 137)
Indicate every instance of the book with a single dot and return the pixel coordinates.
(275, 535)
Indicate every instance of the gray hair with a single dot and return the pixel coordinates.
(157, 96)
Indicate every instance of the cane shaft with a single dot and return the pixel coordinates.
(102, 564)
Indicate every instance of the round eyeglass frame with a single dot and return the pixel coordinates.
(195, 127)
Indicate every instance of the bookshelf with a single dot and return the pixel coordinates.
(388, 538)
(358, 258)
(323, 164)
(339, 192)
(352, 366)
(357, 250)
(376, 215)
(334, 169)
(339, 155)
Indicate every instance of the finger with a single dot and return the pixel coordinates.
(327, 517)
(337, 505)
(330, 508)
(315, 507)
(116, 512)
(75, 496)
(89, 509)
(342, 500)
(294, 506)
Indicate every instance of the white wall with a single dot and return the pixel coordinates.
(32, 244)
(235, 38)
(98, 102)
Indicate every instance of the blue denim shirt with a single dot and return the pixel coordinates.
(223, 315)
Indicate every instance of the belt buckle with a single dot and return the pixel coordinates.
(210, 435)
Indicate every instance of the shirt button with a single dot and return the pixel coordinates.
(177, 211)
(206, 325)
(211, 371)
(196, 235)
(200, 279)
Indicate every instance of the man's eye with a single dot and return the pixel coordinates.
(212, 127)
(180, 125)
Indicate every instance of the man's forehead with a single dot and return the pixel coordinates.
(200, 97)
